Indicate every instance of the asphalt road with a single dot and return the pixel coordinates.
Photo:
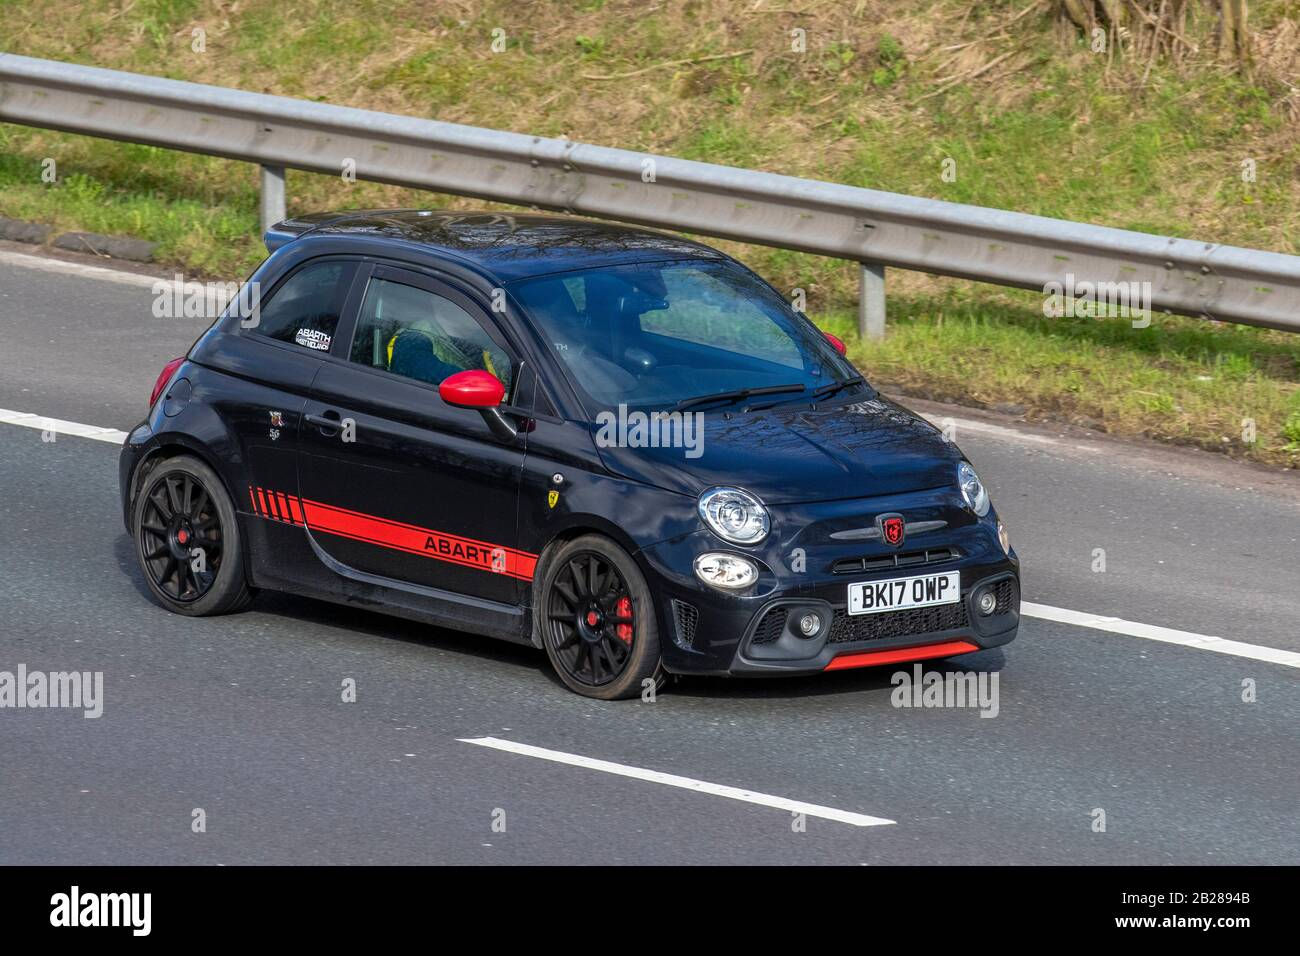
(242, 716)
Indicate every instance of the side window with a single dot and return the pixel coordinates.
(421, 335)
(305, 308)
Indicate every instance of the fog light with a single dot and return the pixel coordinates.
(1004, 539)
(729, 571)
(987, 602)
(810, 624)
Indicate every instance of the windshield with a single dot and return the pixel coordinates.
(663, 334)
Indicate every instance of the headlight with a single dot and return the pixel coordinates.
(972, 489)
(729, 571)
(734, 515)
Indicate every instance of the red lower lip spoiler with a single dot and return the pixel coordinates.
(898, 654)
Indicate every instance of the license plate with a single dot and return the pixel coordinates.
(924, 590)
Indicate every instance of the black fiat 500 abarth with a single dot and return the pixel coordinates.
(613, 444)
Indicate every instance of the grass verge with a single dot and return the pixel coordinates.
(860, 92)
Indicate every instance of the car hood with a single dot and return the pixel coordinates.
(792, 454)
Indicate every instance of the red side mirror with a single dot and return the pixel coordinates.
(472, 389)
(837, 342)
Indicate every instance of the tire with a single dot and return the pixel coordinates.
(603, 644)
(182, 508)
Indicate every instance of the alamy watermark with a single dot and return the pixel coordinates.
(124, 910)
(948, 690)
(178, 299)
(1098, 300)
(639, 429)
(73, 690)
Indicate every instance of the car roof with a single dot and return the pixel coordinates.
(508, 245)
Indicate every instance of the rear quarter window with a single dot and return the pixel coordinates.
(304, 309)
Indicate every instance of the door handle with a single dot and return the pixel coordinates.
(328, 422)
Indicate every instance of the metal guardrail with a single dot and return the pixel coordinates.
(874, 228)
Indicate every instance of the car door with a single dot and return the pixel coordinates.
(396, 483)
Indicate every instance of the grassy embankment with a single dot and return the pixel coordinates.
(883, 94)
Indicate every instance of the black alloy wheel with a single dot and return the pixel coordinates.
(597, 622)
(591, 619)
(187, 539)
(181, 538)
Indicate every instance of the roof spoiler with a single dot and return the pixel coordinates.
(285, 232)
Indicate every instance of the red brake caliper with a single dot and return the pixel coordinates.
(624, 609)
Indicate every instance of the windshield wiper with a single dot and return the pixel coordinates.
(736, 395)
(826, 391)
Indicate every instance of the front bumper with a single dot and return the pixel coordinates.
(866, 639)
(704, 630)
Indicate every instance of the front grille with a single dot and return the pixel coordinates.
(771, 626)
(903, 559)
(686, 616)
(919, 620)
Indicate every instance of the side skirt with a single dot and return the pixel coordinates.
(442, 608)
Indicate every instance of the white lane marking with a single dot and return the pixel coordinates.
(1060, 615)
(686, 783)
(1166, 635)
(60, 427)
(997, 431)
(81, 269)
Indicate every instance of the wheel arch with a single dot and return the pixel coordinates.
(170, 446)
(580, 525)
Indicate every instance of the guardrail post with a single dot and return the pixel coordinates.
(871, 300)
(272, 205)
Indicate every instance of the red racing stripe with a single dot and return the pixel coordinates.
(439, 545)
(413, 539)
